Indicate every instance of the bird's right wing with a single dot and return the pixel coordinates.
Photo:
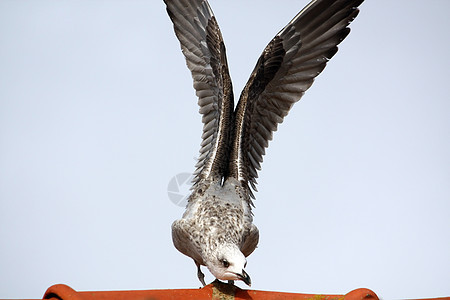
(202, 45)
(284, 71)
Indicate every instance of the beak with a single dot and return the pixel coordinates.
(245, 278)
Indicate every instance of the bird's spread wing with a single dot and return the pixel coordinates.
(204, 50)
(284, 71)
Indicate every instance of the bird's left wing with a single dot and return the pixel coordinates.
(202, 45)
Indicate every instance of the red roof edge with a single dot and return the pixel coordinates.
(215, 290)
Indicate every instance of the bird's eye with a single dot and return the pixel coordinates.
(225, 263)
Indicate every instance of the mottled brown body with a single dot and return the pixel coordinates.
(215, 215)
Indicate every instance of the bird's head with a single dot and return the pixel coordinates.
(228, 263)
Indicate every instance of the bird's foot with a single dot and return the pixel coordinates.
(200, 275)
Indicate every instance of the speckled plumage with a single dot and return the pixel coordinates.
(217, 230)
(215, 215)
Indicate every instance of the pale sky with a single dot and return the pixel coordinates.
(98, 114)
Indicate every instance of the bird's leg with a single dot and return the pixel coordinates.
(200, 275)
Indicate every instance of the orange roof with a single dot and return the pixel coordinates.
(216, 290)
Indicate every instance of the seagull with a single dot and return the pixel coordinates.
(217, 229)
